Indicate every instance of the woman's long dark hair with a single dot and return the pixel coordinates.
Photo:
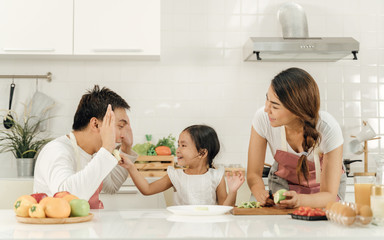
(299, 93)
(205, 138)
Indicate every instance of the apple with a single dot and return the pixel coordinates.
(61, 194)
(39, 196)
(79, 207)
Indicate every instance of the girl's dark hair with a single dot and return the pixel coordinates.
(205, 137)
(94, 104)
(299, 93)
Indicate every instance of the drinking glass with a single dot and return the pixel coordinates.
(363, 185)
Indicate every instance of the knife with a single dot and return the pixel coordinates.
(270, 194)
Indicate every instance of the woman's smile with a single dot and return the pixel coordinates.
(271, 119)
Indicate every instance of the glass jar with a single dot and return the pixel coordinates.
(377, 193)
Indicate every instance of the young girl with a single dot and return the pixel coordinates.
(199, 183)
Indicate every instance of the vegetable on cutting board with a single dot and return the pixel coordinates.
(251, 204)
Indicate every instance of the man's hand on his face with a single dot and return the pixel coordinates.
(107, 130)
(126, 138)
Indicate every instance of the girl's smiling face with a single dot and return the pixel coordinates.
(186, 151)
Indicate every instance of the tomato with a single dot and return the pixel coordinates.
(311, 214)
(296, 212)
(319, 212)
(308, 211)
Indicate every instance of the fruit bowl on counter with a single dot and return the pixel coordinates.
(63, 207)
(54, 220)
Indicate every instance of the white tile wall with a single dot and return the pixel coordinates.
(201, 77)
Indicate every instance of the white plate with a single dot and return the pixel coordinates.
(199, 210)
(199, 219)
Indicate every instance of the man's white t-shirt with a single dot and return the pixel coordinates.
(330, 131)
(56, 166)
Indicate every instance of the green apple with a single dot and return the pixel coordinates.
(79, 208)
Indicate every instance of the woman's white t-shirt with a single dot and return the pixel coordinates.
(195, 189)
(331, 135)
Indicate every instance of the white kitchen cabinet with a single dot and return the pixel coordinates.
(129, 197)
(80, 27)
(36, 27)
(117, 27)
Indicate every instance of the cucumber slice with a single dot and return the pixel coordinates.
(278, 196)
(116, 154)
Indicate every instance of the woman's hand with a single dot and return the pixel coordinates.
(262, 196)
(107, 130)
(292, 200)
(234, 180)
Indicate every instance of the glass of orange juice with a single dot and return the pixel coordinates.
(363, 185)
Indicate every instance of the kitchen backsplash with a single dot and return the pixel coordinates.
(201, 77)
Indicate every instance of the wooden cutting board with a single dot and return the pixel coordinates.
(262, 211)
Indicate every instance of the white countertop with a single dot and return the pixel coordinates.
(129, 180)
(161, 224)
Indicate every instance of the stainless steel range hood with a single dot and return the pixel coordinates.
(300, 49)
(295, 45)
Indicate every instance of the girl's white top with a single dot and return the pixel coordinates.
(195, 189)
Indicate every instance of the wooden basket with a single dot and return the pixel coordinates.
(154, 166)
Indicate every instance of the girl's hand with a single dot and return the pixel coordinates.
(125, 162)
(263, 197)
(234, 180)
(107, 130)
(292, 200)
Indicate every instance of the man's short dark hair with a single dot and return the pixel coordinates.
(94, 104)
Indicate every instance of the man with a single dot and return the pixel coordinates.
(82, 162)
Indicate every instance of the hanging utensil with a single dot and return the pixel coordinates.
(8, 119)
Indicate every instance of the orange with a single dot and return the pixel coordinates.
(57, 208)
(69, 197)
(44, 201)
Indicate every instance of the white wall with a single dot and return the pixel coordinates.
(201, 77)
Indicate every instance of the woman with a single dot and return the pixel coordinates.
(307, 145)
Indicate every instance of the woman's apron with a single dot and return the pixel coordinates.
(94, 201)
(283, 172)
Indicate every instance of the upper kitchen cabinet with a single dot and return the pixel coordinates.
(36, 27)
(117, 27)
